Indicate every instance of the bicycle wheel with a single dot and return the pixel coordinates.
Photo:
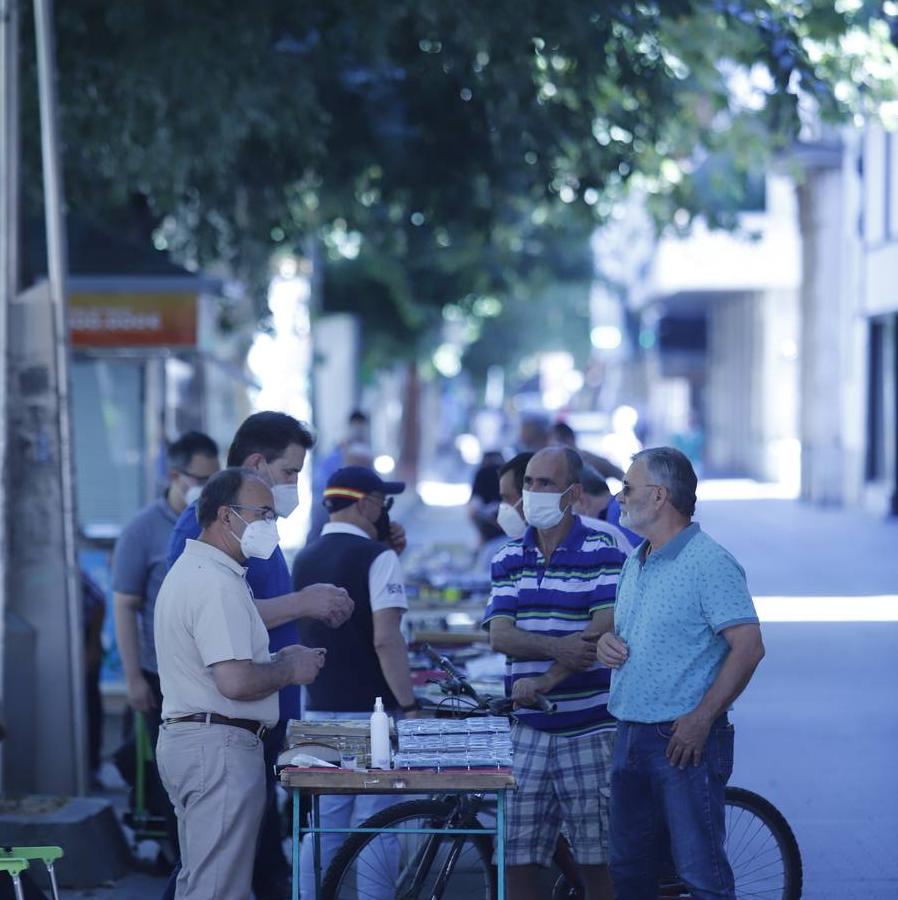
(413, 866)
(761, 848)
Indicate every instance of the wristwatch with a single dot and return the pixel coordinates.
(415, 705)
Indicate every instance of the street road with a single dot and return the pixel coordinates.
(817, 729)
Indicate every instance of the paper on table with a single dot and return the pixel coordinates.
(308, 761)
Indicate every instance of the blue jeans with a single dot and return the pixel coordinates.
(651, 801)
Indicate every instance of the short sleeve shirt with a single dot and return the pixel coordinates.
(139, 565)
(267, 578)
(205, 615)
(386, 583)
(671, 609)
(558, 597)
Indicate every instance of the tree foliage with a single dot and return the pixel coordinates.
(440, 153)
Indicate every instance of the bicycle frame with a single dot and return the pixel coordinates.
(460, 817)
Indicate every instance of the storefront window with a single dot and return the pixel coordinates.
(107, 407)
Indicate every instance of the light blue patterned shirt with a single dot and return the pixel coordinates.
(671, 609)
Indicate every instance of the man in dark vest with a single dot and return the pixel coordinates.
(367, 656)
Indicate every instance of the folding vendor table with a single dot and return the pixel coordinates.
(316, 782)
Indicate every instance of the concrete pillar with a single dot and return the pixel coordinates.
(732, 340)
(40, 571)
(823, 371)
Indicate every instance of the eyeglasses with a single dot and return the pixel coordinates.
(266, 513)
(199, 479)
(628, 489)
(385, 502)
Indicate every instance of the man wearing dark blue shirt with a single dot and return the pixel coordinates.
(274, 445)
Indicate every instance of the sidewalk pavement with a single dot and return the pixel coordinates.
(818, 726)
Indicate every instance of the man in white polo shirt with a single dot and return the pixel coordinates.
(219, 687)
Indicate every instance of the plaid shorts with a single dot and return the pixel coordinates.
(562, 781)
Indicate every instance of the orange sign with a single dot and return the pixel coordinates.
(132, 319)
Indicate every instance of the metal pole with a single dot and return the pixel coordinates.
(9, 259)
(297, 838)
(57, 266)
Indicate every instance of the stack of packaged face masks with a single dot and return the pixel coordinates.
(474, 743)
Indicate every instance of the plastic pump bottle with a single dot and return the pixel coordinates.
(380, 737)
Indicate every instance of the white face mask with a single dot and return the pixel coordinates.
(286, 499)
(543, 509)
(259, 538)
(193, 494)
(510, 521)
(286, 496)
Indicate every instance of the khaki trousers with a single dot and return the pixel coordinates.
(215, 778)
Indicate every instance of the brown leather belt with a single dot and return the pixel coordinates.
(257, 728)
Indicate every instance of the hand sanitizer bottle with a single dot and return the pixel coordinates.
(380, 737)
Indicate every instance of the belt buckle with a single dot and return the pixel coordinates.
(261, 731)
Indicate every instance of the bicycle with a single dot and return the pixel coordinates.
(760, 844)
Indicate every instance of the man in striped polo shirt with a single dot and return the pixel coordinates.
(552, 596)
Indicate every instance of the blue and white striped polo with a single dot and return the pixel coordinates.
(558, 597)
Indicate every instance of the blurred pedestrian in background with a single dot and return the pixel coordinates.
(484, 503)
(93, 606)
(138, 568)
(510, 515)
(139, 565)
(353, 450)
(533, 432)
(563, 434)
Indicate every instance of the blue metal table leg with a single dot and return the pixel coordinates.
(294, 887)
(500, 842)
(316, 842)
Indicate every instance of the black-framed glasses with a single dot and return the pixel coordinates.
(199, 479)
(266, 513)
(628, 489)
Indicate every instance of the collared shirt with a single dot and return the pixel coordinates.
(557, 597)
(386, 584)
(615, 534)
(267, 578)
(205, 614)
(671, 609)
(139, 565)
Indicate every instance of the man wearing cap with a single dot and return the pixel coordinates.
(368, 655)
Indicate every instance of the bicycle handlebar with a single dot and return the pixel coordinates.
(498, 707)
(504, 706)
(441, 662)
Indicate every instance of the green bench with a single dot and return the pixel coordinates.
(14, 861)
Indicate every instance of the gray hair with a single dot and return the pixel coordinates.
(672, 469)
